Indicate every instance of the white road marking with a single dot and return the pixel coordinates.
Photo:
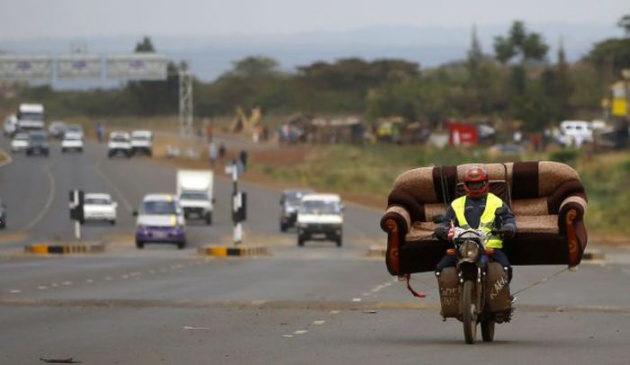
(49, 200)
(287, 336)
(356, 299)
(42, 287)
(54, 285)
(190, 328)
(109, 182)
(300, 332)
(125, 276)
(15, 291)
(67, 283)
(89, 280)
(334, 312)
(318, 323)
(108, 278)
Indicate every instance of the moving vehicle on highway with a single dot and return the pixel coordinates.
(72, 141)
(320, 217)
(10, 126)
(289, 204)
(19, 142)
(75, 128)
(119, 144)
(38, 143)
(160, 219)
(30, 117)
(99, 207)
(3, 215)
(476, 290)
(56, 129)
(142, 142)
(195, 193)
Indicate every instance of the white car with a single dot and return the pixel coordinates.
(99, 207)
(320, 217)
(19, 142)
(72, 141)
(142, 142)
(119, 144)
(74, 128)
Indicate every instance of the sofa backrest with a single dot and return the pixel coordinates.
(531, 188)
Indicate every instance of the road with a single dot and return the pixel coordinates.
(316, 304)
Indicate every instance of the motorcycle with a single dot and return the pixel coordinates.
(475, 291)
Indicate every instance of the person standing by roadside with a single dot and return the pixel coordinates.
(212, 153)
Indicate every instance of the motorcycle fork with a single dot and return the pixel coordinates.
(478, 293)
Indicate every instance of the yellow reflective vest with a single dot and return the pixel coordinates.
(493, 203)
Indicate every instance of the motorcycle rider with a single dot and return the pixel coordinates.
(478, 209)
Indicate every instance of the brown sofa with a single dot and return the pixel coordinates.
(547, 198)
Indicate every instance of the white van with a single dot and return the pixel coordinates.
(576, 132)
(320, 217)
(142, 142)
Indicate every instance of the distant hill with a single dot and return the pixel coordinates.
(211, 56)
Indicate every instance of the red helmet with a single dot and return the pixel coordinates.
(476, 182)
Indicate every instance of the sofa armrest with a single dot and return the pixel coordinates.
(571, 224)
(400, 215)
(396, 222)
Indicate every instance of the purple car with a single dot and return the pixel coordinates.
(160, 220)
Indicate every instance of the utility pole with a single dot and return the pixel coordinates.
(185, 101)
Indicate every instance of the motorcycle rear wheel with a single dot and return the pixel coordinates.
(469, 312)
(487, 330)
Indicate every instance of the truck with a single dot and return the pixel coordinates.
(30, 117)
(195, 190)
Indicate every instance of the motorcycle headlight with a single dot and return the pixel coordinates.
(469, 250)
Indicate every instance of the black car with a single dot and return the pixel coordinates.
(3, 215)
(38, 143)
(289, 203)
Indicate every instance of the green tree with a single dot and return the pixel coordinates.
(254, 67)
(528, 47)
(609, 57)
(154, 97)
(624, 23)
(480, 79)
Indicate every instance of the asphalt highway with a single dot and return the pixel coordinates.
(314, 304)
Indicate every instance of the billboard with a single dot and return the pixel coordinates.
(24, 67)
(79, 66)
(619, 106)
(138, 66)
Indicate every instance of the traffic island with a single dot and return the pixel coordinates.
(223, 251)
(46, 249)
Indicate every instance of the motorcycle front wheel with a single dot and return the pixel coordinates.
(469, 312)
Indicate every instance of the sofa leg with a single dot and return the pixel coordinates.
(574, 248)
(393, 245)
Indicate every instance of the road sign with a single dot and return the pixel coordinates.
(79, 66)
(18, 68)
(138, 66)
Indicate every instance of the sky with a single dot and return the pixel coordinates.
(27, 19)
